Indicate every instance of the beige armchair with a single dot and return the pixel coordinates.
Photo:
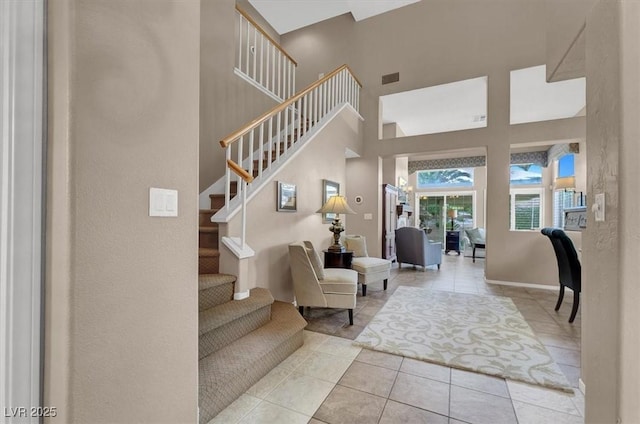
(369, 269)
(318, 287)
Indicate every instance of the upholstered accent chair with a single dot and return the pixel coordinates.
(413, 247)
(369, 269)
(317, 287)
(569, 269)
(476, 237)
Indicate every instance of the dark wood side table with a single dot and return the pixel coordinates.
(452, 242)
(338, 259)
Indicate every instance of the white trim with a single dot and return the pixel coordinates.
(21, 195)
(582, 386)
(235, 245)
(225, 215)
(515, 190)
(256, 84)
(241, 295)
(525, 285)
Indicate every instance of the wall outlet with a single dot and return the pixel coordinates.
(368, 216)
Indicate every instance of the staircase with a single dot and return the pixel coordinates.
(208, 239)
(240, 341)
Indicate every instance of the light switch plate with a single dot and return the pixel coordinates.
(599, 207)
(163, 202)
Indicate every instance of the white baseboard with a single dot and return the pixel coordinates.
(525, 285)
(241, 295)
(582, 386)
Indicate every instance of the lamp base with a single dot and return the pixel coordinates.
(336, 228)
(337, 248)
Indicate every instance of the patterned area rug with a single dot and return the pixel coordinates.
(485, 334)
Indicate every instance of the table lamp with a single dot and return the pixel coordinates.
(453, 214)
(336, 205)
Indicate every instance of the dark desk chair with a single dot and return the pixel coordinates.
(569, 270)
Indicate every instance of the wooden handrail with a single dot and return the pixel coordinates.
(263, 32)
(282, 106)
(238, 170)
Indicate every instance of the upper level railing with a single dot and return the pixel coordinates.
(277, 130)
(262, 61)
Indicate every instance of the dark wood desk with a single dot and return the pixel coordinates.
(338, 259)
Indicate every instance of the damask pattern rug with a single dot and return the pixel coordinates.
(485, 334)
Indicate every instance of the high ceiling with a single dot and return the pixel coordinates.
(288, 15)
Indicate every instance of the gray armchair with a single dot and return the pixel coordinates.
(413, 247)
(477, 239)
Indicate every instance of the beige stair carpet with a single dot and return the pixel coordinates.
(485, 334)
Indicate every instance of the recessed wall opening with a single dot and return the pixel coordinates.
(459, 105)
(533, 99)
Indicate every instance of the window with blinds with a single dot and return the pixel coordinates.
(525, 209)
(563, 199)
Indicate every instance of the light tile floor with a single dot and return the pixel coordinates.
(330, 381)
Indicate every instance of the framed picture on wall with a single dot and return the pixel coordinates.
(329, 188)
(287, 197)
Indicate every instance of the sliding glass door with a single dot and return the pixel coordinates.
(433, 208)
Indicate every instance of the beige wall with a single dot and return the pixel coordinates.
(121, 339)
(269, 232)
(564, 21)
(227, 102)
(364, 177)
(629, 371)
(437, 42)
(392, 130)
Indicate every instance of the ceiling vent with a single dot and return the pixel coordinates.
(389, 78)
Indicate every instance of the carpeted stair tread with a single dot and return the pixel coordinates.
(285, 321)
(214, 289)
(216, 317)
(208, 229)
(208, 252)
(226, 374)
(204, 217)
(207, 281)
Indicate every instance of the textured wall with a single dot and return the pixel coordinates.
(601, 249)
(121, 339)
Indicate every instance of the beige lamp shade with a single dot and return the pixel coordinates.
(565, 183)
(337, 205)
(452, 213)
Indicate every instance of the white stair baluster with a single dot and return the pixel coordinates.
(246, 70)
(261, 149)
(251, 168)
(261, 59)
(227, 185)
(255, 52)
